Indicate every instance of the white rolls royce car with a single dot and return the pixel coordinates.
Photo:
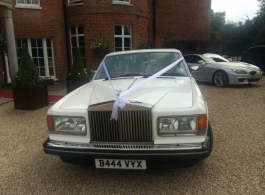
(141, 107)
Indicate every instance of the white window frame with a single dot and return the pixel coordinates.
(45, 55)
(28, 5)
(75, 2)
(123, 36)
(76, 36)
(122, 2)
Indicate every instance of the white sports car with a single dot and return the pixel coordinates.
(218, 70)
(142, 106)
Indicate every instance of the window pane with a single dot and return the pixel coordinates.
(19, 52)
(118, 42)
(49, 43)
(74, 44)
(80, 30)
(39, 42)
(40, 52)
(127, 30)
(81, 41)
(127, 48)
(42, 72)
(33, 43)
(49, 51)
(50, 62)
(118, 30)
(73, 31)
(18, 42)
(118, 49)
(127, 42)
(20, 1)
(41, 61)
(35, 60)
(34, 52)
(51, 73)
(35, 2)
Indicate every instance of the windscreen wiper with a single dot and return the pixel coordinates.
(124, 76)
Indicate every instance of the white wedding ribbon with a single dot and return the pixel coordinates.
(120, 101)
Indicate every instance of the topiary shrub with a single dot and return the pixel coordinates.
(27, 74)
(78, 76)
(77, 70)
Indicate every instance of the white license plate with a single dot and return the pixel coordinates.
(120, 164)
(256, 76)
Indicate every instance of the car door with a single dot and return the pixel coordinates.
(202, 73)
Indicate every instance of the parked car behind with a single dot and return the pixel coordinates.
(141, 106)
(255, 56)
(221, 72)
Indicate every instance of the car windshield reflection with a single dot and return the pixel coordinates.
(141, 64)
(216, 58)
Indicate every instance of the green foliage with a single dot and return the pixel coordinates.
(27, 74)
(78, 66)
(99, 46)
(2, 39)
(217, 20)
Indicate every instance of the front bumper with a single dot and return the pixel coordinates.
(236, 79)
(148, 152)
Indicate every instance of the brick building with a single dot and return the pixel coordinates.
(52, 28)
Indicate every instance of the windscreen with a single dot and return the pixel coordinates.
(142, 64)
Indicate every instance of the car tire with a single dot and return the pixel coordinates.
(220, 79)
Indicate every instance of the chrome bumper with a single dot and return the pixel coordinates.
(127, 151)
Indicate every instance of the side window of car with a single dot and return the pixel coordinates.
(197, 59)
(187, 59)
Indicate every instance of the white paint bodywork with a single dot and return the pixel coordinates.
(169, 96)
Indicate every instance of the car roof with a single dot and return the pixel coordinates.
(142, 51)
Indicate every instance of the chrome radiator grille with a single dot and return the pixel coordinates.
(132, 126)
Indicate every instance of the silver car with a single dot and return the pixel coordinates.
(221, 72)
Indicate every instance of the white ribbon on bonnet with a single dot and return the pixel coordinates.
(120, 101)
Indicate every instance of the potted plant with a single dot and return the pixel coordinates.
(78, 76)
(99, 46)
(29, 92)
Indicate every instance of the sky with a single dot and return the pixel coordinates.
(236, 10)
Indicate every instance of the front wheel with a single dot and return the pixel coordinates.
(220, 79)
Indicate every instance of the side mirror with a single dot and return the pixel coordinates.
(201, 62)
(194, 68)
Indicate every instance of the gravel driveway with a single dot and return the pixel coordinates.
(236, 166)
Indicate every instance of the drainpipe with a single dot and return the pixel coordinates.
(154, 23)
(66, 37)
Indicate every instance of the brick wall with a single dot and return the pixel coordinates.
(47, 22)
(176, 20)
(99, 18)
(182, 20)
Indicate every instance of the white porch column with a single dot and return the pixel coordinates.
(11, 44)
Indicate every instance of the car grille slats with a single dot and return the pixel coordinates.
(132, 126)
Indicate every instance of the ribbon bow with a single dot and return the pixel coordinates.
(120, 101)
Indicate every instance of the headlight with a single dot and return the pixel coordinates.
(238, 71)
(67, 125)
(171, 126)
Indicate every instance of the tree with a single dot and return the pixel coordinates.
(27, 74)
(259, 24)
(78, 66)
(217, 23)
